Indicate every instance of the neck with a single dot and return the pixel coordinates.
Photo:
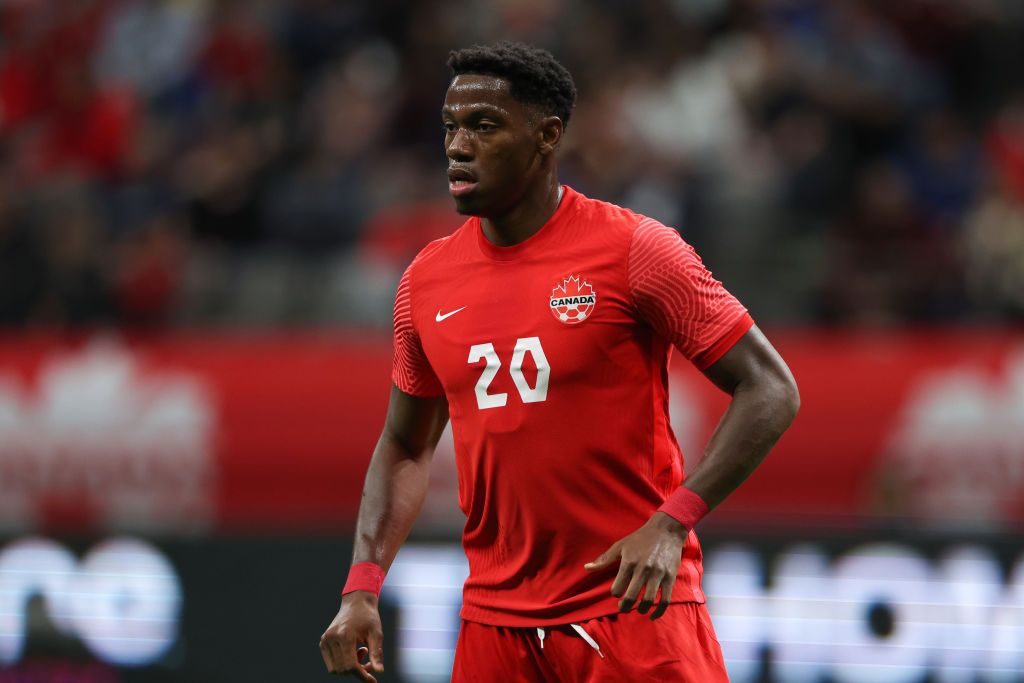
(525, 218)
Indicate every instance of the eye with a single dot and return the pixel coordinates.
(449, 127)
(486, 126)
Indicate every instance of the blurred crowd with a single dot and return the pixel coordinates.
(278, 163)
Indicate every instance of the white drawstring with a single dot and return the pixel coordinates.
(583, 634)
(586, 636)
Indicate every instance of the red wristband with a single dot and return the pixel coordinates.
(685, 506)
(364, 576)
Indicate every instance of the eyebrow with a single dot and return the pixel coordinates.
(479, 109)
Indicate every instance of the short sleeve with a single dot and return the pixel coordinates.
(411, 371)
(678, 297)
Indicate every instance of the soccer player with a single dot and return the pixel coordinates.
(542, 328)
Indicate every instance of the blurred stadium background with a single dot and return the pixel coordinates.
(204, 210)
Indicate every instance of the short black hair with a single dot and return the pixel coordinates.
(534, 76)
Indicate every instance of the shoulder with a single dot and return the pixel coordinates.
(653, 234)
(440, 251)
(625, 223)
(608, 215)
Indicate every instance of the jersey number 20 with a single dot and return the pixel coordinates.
(529, 394)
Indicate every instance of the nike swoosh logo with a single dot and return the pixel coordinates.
(440, 317)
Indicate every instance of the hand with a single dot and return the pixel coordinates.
(650, 558)
(354, 633)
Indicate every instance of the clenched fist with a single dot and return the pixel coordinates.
(354, 634)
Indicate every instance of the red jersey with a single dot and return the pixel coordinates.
(553, 355)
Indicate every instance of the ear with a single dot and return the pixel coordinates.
(549, 134)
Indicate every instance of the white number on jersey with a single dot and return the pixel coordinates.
(528, 394)
(483, 399)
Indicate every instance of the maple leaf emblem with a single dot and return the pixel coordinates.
(572, 287)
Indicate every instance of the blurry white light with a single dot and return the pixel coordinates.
(127, 602)
(971, 587)
(733, 581)
(802, 615)
(887, 577)
(28, 567)
(123, 600)
(425, 581)
(1005, 655)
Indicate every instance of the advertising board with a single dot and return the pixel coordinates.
(787, 608)
(188, 434)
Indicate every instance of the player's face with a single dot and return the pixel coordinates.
(492, 145)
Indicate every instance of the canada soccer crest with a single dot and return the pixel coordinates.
(573, 301)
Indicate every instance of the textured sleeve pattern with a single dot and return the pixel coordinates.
(677, 296)
(411, 371)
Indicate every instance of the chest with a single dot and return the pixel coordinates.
(498, 333)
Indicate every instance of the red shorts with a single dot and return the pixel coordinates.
(680, 646)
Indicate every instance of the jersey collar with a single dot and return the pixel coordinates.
(534, 241)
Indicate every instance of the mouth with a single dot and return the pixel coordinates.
(460, 182)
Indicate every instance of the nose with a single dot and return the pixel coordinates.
(460, 147)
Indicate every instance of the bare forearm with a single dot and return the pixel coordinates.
(393, 494)
(399, 474)
(756, 418)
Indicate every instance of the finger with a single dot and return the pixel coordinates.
(333, 657)
(363, 674)
(375, 644)
(342, 656)
(338, 657)
(666, 595)
(361, 671)
(360, 667)
(605, 559)
(325, 652)
(650, 591)
(633, 592)
(622, 579)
